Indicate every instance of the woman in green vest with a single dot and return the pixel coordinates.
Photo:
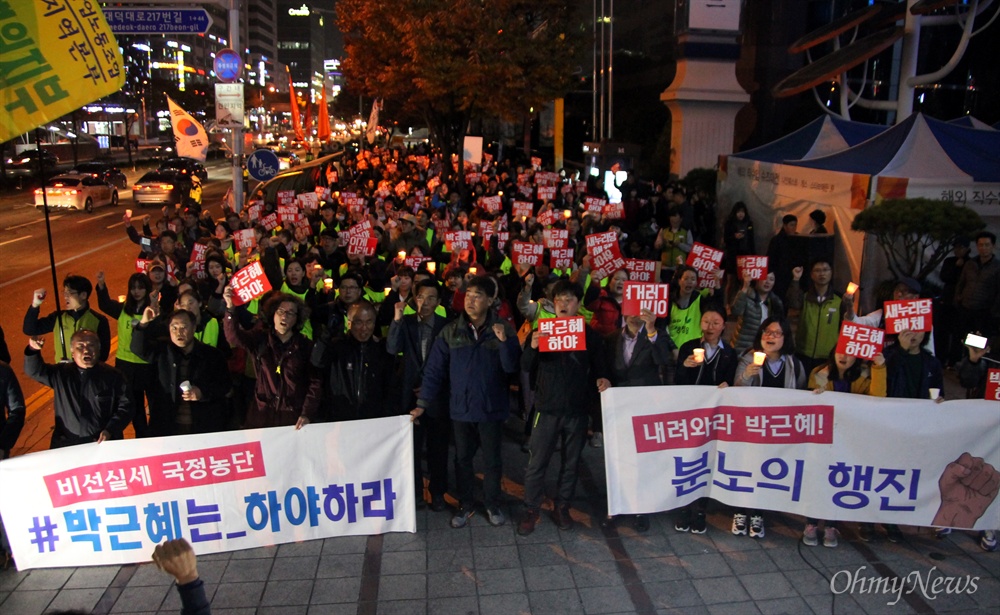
(686, 304)
(296, 283)
(127, 310)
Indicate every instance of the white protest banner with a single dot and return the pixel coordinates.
(525, 253)
(249, 283)
(653, 297)
(112, 503)
(562, 334)
(908, 315)
(641, 270)
(752, 267)
(860, 341)
(836, 456)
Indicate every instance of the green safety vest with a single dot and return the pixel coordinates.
(210, 334)
(307, 329)
(124, 352)
(685, 323)
(69, 326)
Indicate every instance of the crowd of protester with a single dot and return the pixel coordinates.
(445, 333)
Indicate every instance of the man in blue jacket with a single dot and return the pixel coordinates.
(474, 355)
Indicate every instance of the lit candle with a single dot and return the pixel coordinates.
(128, 212)
(121, 298)
(698, 354)
(328, 283)
(567, 214)
(852, 288)
(387, 290)
(402, 255)
(431, 267)
(758, 358)
(472, 270)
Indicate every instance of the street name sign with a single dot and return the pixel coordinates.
(157, 20)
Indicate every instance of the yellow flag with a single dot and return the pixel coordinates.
(55, 57)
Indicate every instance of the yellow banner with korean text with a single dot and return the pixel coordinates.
(55, 56)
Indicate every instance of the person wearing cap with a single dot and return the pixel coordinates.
(76, 317)
(163, 292)
(409, 236)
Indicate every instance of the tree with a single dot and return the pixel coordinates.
(916, 235)
(452, 61)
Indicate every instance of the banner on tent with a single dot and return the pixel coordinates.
(833, 456)
(981, 197)
(112, 503)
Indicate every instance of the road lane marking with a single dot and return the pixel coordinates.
(47, 268)
(18, 239)
(115, 224)
(90, 218)
(11, 228)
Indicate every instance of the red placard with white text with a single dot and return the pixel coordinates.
(303, 223)
(249, 283)
(605, 256)
(458, 240)
(594, 205)
(522, 210)
(246, 239)
(860, 341)
(752, 267)
(561, 258)
(270, 221)
(308, 200)
(614, 211)
(142, 265)
(993, 384)
(546, 193)
(524, 253)
(908, 315)
(491, 204)
(414, 262)
(361, 229)
(707, 261)
(548, 217)
(285, 197)
(653, 297)
(361, 245)
(501, 237)
(555, 238)
(641, 270)
(562, 334)
(288, 214)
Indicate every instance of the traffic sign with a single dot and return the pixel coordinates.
(229, 105)
(228, 65)
(157, 20)
(262, 165)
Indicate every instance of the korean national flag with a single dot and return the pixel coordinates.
(190, 135)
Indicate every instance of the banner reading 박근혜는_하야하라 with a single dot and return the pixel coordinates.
(111, 503)
(58, 55)
(836, 456)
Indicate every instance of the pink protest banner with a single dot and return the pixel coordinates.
(249, 283)
(246, 239)
(548, 217)
(524, 253)
(285, 197)
(522, 210)
(614, 211)
(562, 334)
(555, 238)
(594, 205)
(561, 258)
(458, 240)
(546, 193)
(993, 384)
(908, 315)
(653, 297)
(491, 204)
(860, 341)
(752, 267)
(361, 245)
(270, 221)
(641, 270)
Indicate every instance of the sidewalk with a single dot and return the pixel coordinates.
(482, 569)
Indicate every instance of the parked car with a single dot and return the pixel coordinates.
(161, 188)
(104, 171)
(160, 152)
(185, 165)
(287, 160)
(77, 191)
(25, 164)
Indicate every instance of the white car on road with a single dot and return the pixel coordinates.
(79, 192)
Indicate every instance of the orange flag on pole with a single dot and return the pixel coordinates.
(296, 124)
(323, 121)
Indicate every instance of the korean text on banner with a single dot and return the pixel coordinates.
(653, 297)
(641, 270)
(908, 315)
(605, 256)
(58, 57)
(752, 267)
(249, 283)
(525, 253)
(831, 456)
(562, 334)
(860, 341)
(993, 384)
(113, 503)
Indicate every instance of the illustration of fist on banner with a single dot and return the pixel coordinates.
(55, 58)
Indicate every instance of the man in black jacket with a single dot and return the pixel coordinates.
(192, 381)
(412, 336)
(91, 398)
(567, 383)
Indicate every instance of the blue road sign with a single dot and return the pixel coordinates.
(228, 65)
(262, 165)
(157, 20)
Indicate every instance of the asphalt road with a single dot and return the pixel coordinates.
(83, 244)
